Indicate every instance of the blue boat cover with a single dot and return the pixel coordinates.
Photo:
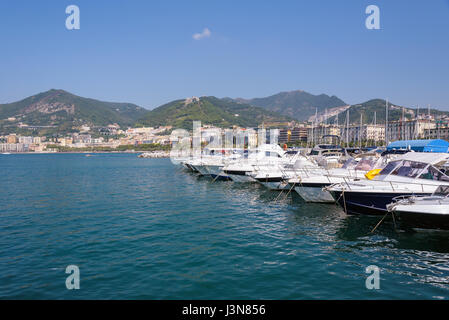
(436, 145)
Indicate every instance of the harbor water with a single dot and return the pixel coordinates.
(145, 229)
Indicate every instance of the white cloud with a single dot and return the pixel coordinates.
(205, 34)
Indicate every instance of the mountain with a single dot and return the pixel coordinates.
(377, 106)
(63, 110)
(211, 111)
(298, 104)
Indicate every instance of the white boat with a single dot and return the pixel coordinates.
(311, 186)
(412, 174)
(243, 169)
(423, 212)
(275, 177)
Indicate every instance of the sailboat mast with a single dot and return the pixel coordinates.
(347, 128)
(360, 131)
(386, 122)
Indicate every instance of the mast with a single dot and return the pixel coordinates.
(360, 131)
(417, 124)
(386, 122)
(312, 135)
(402, 125)
(347, 128)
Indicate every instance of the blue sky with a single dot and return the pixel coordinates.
(144, 51)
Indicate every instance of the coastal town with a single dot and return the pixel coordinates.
(114, 138)
(109, 138)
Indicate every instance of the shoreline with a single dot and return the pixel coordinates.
(81, 152)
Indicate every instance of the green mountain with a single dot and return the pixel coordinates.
(376, 107)
(297, 104)
(62, 111)
(212, 111)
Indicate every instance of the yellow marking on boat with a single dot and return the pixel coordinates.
(372, 173)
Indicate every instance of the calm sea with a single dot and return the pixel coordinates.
(145, 229)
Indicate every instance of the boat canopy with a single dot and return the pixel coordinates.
(435, 145)
(431, 158)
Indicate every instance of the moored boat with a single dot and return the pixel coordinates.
(412, 174)
(430, 212)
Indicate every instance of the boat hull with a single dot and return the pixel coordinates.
(240, 176)
(272, 183)
(202, 170)
(423, 220)
(313, 192)
(367, 203)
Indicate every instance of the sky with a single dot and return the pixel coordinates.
(152, 52)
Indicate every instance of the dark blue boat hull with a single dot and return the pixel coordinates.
(424, 220)
(366, 203)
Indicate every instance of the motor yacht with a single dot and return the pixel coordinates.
(276, 176)
(423, 212)
(310, 186)
(412, 174)
(243, 169)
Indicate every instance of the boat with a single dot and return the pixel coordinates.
(244, 168)
(311, 186)
(423, 212)
(276, 176)
(412, 174)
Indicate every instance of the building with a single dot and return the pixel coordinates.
(12, 138)
(14, 147)
(364, 133)
(297, 134)
(26, 140)
(437, 133)
(409, 129)
(316, 133)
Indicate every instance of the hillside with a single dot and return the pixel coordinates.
(211, 111)
(61, 109)
(297, 104)
(377, 106)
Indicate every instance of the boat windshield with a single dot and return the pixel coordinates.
(432, 173)
(365, 164)
(409, 169)
(351, 163)
(389, 167)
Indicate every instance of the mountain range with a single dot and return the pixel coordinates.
(373, 111)
(212, 111)
(298, 104)
(60, 112)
